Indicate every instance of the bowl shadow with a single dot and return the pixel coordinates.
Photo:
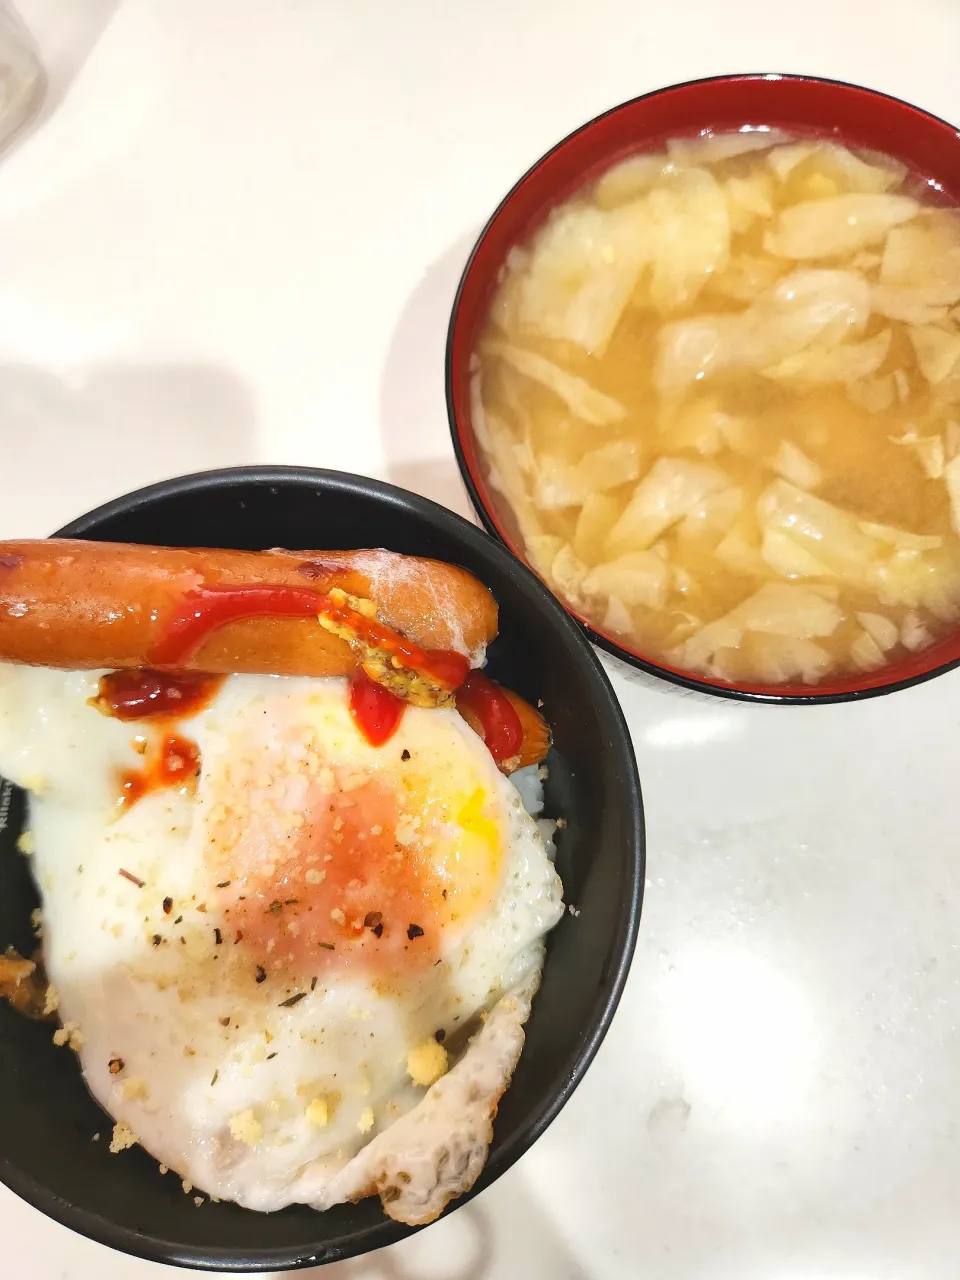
(505, 1230)
(112, 427)
(413, 415)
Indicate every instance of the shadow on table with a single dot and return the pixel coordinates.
(112, 428)
(645, 680)
(413, 416)
(437, 479)
(504, 1231)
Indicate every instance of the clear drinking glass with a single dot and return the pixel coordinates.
(22, 79)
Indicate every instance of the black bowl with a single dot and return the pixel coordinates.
(47, 1152)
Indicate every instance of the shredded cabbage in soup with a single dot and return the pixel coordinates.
(719, 392)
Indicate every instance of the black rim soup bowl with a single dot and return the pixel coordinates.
(47, 1152)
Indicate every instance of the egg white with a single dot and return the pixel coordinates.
(176, 1037)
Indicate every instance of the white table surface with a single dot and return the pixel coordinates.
(234, 237)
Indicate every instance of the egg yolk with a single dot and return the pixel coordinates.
(366, 870)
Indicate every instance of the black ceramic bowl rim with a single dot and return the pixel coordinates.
(387, 1232)
(648, 665)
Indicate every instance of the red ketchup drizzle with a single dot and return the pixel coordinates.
(176, 763)
(170, 761)
(502, 730)
(141, 694)
(376, 711)
(206, 609)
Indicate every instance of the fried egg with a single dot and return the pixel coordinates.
(295, 967)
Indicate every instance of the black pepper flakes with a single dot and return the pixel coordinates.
(440, 1035)
(414, 931)
(179, 920)
(275, 907)
(404, 754)
(377, 930)
(272, 1055)
(292, 1000)
(313, 983)
(372, 919)
(156, 939)
(327, 946)
(217, 936)
(167, 906)
(261, 973)
(290, 902)
(225, 1022)
(224, 884)
(215, 1077)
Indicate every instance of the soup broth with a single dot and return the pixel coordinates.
(719, 391)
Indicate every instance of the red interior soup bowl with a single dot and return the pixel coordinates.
(803, 107)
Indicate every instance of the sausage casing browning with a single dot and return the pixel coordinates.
(78, 604)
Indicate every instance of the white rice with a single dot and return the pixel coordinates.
(529, 784)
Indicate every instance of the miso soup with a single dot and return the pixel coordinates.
(719, 390)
